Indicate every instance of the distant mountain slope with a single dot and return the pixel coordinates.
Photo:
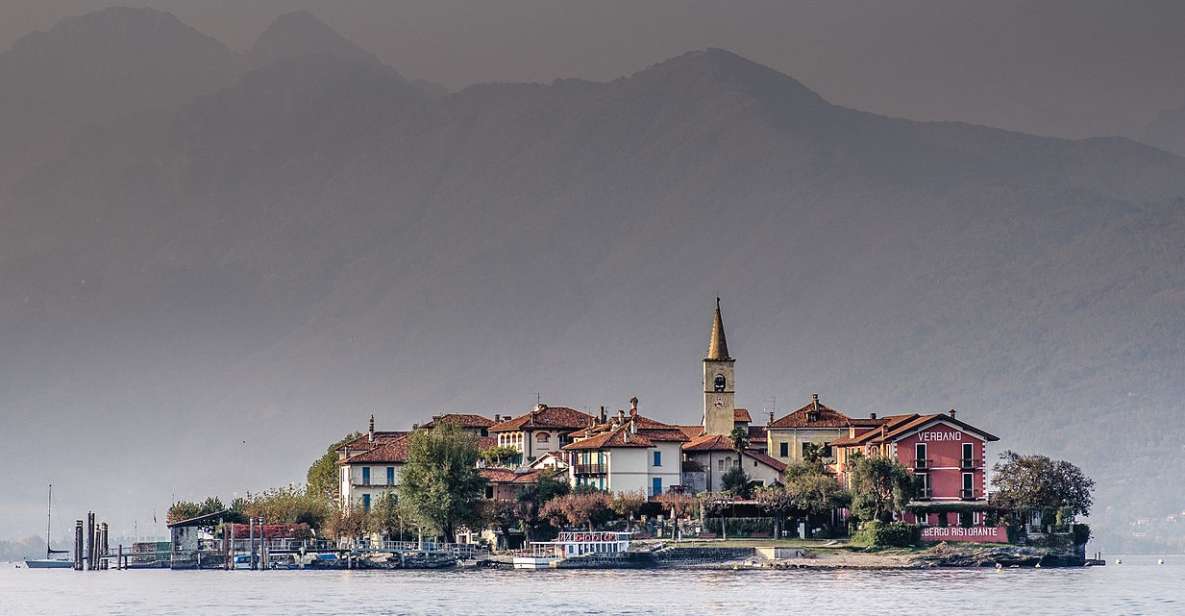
(1167, 131)
(322, 240)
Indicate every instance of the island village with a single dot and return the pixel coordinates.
(558, 487)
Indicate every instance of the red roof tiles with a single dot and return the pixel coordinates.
(461, 420)
(390, 451)
(549, 417)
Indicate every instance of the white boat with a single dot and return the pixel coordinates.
(50, 561)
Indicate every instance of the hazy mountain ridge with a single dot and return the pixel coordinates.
(322, 239)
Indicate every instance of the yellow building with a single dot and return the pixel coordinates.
(811, 428)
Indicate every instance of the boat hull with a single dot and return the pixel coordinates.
(49, 564)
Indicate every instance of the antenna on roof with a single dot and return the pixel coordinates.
(538, 398)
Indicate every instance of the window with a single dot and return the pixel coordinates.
(720, 465)
(490, 492)
(366, 502)
(366, 476)
(656, 486)
(658, 458)
(919, 455)
(390, 475)
(543, 437)
(784, 450)
(922, 481)
(968, 485)
(968, 455)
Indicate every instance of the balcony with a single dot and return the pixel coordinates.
(970, 494)
(920, 464)
(970, 463)
(589, 469)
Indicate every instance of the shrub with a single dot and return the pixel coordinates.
(887, 534)
(1081, 534)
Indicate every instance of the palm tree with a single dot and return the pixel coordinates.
(740, 440)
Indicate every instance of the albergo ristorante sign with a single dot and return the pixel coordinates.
(974, 534)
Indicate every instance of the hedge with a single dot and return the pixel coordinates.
(894, 534)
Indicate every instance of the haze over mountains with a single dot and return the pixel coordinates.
(212, 261)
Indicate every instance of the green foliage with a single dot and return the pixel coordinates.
(740, 439)
(289, 505)
(502, 455)
(1080, 533)
(736, 481)
(676, 504)
(887, 534)
(1057, 489)
(322, 477)
(440, 488)
(184, 510)
(386, 518)
(531, 500)
(880, 488)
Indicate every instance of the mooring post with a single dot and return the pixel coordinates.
(104, 547)
(251, 542)
(119, 559)
(263, 560)
(78, 545)
(90, 540)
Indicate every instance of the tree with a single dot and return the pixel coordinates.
(323, 478)
(289, 505)
(440, 488)
(815, 491)
(501, 455)
(1055, 488)
(531, 501)
(184, 510)
(626, 504)
(880, 488)
(740, 440)
(736, 481)
(776, 501)
(583, 509)
(500, 514)
(386, 517)
(679, 505)
(350, 524)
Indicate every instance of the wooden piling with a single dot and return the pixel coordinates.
(78, 545)
(90, 541)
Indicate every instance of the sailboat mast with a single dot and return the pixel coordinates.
(49, 523)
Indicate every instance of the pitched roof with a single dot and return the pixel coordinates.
(923, 421)
(814, 415)
(547, 417)
(393, 451)
(885, 424)
(511, 475)
(709, 442)
(741, 415)
(758, 434)
(363, 440)
(461, 420)
(691, 432)
(771, 462)
(718, 344)
(617, 437)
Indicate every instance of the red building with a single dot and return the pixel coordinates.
(948, 460)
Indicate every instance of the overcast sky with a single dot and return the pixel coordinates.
(1071, 68)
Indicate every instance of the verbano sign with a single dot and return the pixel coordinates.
(975, 534)
(940, 436)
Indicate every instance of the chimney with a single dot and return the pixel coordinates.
(814, 402)
(634, 406)
(604, 415)
(540, 407)
(952, 413)
(370, 431)
(872, 415)
(620, 416)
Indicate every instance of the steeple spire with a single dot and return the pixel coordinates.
(718, 345)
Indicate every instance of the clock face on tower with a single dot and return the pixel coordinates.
(719, 401)
(719, 383)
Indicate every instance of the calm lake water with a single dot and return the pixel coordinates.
(1139, 586)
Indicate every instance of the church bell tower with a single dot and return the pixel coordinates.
(719, 386)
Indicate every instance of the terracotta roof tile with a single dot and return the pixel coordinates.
(392, 451)
(618, 437)
(363, 442)
(741, 415)
(824, 418)
(550, 417)
(771, 462)
(463, 420)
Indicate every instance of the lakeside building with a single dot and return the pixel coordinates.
(809, 431)
(626, 454)
(370, 466)
(946, 456)
(709, 456)
(543, 430)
